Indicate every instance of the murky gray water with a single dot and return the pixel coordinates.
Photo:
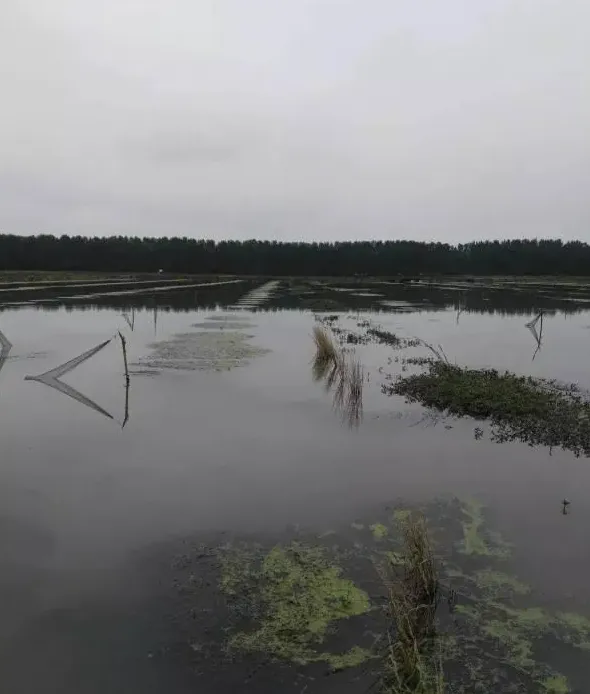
(251, 449)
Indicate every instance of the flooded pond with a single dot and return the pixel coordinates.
(203, 518)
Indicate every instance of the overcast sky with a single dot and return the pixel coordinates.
(296, 119)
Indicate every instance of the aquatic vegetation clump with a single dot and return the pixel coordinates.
(519, 407)
(419, 361)
(203, 351)
(295, 597)
(385, 337)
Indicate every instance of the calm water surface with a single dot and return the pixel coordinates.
(254, 449)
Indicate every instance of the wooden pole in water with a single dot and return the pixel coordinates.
(124, 349)
(127, 379)
(126, 415)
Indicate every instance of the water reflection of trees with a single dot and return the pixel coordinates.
(318, 297)
(503, 302)
(177, 300)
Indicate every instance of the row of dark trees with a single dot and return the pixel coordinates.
(376, 258)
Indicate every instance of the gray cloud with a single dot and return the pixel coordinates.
(307, 119)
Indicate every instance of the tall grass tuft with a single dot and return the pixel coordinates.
(412, 663)
(326, 350)
(353, 409)
(342, 374)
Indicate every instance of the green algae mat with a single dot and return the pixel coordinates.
(314, 606)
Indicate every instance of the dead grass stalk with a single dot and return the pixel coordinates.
(413, 663)
(326, 350)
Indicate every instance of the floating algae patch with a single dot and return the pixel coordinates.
(304, 603)
(296, 599)
(510, 639)
(476, 538)
(400, 515)
(504, 638)
(499, 584)
(556, 684)
(575, 629)
(205, 351)
(379, 531)
(496, 635)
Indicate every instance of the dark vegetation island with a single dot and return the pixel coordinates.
(368, 258)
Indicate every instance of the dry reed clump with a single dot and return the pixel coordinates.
(341, 373)
(412, 663)
(327, 354)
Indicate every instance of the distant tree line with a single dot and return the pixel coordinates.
(375, 258)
